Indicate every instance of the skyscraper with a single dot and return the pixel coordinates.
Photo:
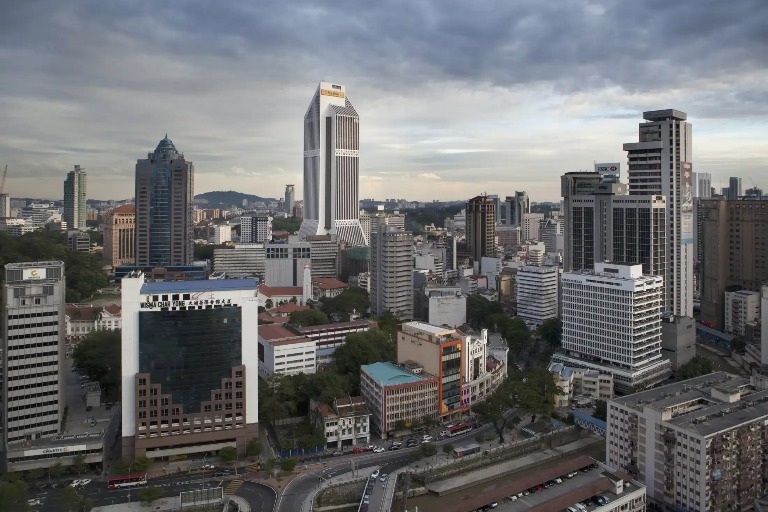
(734, 188)
(481, 227)
(290, 196)
(255, 228)
(516, 207)
(120, 236)
(331, 166)
(660, 164)
(32, 329)
(5, 206)
(164, 207)
(702, 184)
(391, 271)
(75, 195)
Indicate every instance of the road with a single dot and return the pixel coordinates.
(261, 498)
(300, 488)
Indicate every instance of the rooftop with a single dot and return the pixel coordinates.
(275, 332)
(204, 285)
(124, 209)
(329, 283)
(428, 328)
(388, 374)
(272, 291)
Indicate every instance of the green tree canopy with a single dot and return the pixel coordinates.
(497, 409)
(696, 367)
(389, 323)
(601, 410)
(288, 464)
(479, 309)
(447, 448)
(98, 356)
(289, 224)
(550, 331)
(254, 448)
(536, 390)
(13, 495)
(228, 454)
(309, 317)
(362, 348)
(78, 464)
(352, 299)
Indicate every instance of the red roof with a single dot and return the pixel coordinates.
(278, 335)
(126, 208)
(266, 318)
(288, 308)
(272, 291)
(80, 312)
(329, 283)
(113, 309)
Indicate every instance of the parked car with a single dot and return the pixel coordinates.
(375, 474)
(426, 439)
(74, 483)
(85, 481)
(34, 502)
(378, 449)
(383, 478)
(337, 453)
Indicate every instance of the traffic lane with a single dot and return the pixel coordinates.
(261, 498)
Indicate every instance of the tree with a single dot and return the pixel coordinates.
(228, 454)
(362, 348)
(36, 474)
(536, 390)
(289, 224)
(550, 331)
(98, 356)
(308, 317)
(494, 409)
(352, 299)
(696, 367)
(601, 410)
(479, 309)
(327, 385)
(288, 464)
(254, 448)
(73, 502)
(12, 476)
(149, 495)
(57, 470)
(203, 252)
(400, 425)
(425, 450)
(122, 467)
(738, 345)
(447, 448)
(13, 495)
(141, 464)
(78, 464)
(268, 303)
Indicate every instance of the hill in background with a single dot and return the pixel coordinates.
(221, 198)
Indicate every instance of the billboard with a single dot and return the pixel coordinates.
(611, 169)
(33, 274)
(55, 450)
(686, 203)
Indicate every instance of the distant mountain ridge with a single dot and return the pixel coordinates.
(230, 198)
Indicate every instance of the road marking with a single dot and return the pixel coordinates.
(233, 486)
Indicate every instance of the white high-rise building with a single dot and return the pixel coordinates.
(742, 308)
(5, 206)
(255, 229)
(221, 233)
(290, 197)
(532, 226)
(612, 323)
(331, 166)
(702, 185)
(660, 164)
(75, 195)
(391, 271)
(537, 293)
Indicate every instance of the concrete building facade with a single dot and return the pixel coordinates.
(189, 368)
(392, 272)
(244, 260)
(284, 263)
(255, 229)
(612, 323)
(75, 197)
(120, 236)
(481, 227)
(345, 423)
(742, 308)
(283, 351)
(537, 293)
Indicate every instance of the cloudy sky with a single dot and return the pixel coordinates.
(455, 98)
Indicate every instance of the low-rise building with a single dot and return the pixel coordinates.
(397, 397)
(283, 351)
(323, 287)
(329, 337)
(446, 306)
(82, 319)
(345, 423)
(580, 382)
(280, 314)
(742, 308)
(271, 296)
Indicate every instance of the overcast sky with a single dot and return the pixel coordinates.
(455, 98)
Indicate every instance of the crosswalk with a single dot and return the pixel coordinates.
(252, 468)
(232, 487)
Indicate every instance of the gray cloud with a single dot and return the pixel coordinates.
(506, 88)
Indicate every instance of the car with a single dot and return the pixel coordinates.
(394, 447)
(513, 497)
(426, 439)
(572, 509)
(526, 492)
(85, 481)
(581, 507)
(34, 502)
(572, 474)
(219, 473)
(74, 483)
(539, 487)
(396, 443)
(558, 480)
(606, 499)
(375, 474)
(383, 478)
(378, 449)
(208, 466)
(444, 433)
(337, 453)
(520, 495)
(366, 499)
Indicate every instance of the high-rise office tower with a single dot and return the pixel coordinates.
(702, 184)
(32, 330)
(5, 206)
(164, 207)
(734, 236)
(497, 207)
(75, 195)
(290, 196)
(392, 271)
(734, 188)
(189, 366)
(612, 323)
(515, 207)
(660, 164)
(603, 224)
(331, 166)
(481, 227)
(120, 236)
(255, 228)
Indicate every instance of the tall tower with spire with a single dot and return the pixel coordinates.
(331, 166)
(164, 207)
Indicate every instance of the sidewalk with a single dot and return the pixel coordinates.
(360, 475)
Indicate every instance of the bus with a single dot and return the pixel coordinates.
(461, 428)
(131, 480)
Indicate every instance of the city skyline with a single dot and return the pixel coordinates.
(489, 97)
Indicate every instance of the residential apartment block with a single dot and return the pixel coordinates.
(345, 422)
(537, 293)
(392, 271)
(481, 227)
(742, 309)
(697, 444)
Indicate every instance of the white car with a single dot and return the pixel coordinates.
(74, 483)
(426, 439)
(375, 474)
(85, 481)
(383, 478)
(34, 502)
(379, 449)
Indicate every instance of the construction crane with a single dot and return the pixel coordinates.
(2, 183)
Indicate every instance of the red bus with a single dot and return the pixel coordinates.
(461, 428)
(131, 480)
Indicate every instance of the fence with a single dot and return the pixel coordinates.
(299, 452)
